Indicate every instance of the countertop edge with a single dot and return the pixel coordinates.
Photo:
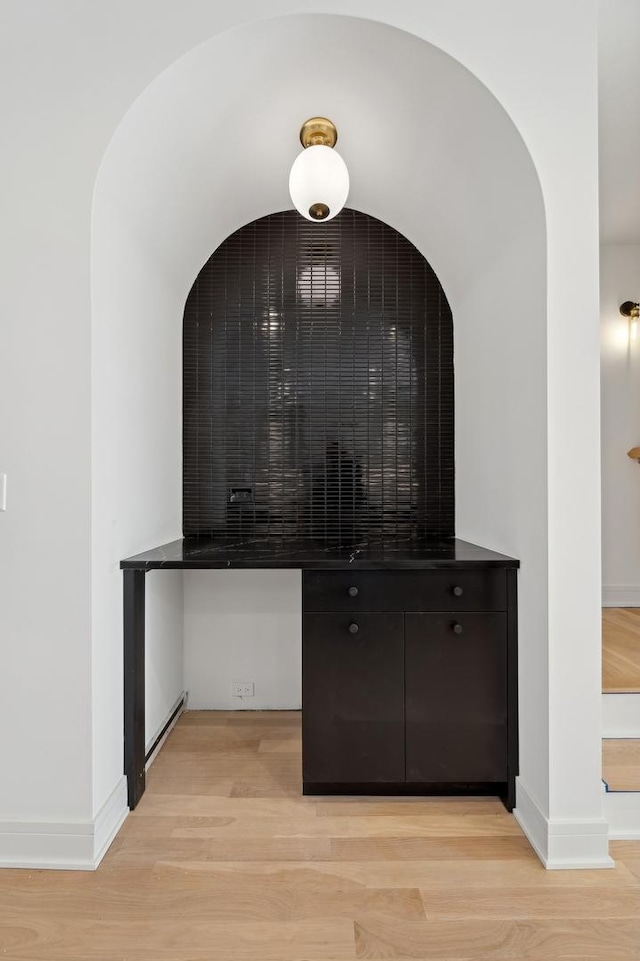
(261, 554)
(416, 565)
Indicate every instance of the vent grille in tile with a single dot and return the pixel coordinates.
(318, 385)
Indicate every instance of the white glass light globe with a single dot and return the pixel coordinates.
(319, 181)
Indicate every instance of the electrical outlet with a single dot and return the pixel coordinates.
(3, 492)
(242, 689)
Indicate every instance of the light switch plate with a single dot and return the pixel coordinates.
(3, 492)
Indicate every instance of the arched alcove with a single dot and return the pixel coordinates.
(430, 152)
(318, 385)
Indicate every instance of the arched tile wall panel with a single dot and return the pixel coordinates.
(318, 385)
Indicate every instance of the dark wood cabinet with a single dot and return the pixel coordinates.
(410, 682)
(456, 697)
(353, 694)
(409, 660)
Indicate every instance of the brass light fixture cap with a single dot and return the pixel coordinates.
(318, 131)
(319, 211)
(629, 309)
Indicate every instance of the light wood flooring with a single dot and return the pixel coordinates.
(223, 860)
(620, 650)
(621, 764)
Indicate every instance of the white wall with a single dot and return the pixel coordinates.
(164, 650)
(45, 429)
(501, 466)
(63, 100)
(620, 412)
(243, 626)
(136, 463)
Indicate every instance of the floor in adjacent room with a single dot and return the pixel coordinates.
(621, 763)
(621, 675)
(620, 650)
(224, 860)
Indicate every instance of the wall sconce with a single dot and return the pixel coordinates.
(632, 311)
(319, 179)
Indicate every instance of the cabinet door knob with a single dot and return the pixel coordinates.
(456, 628)
(457, 591)
(353, 628)
(353, 592)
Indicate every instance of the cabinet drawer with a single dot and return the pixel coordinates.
(439, 590)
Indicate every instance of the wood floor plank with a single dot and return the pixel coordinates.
(390, 902)
(347, 827)
(179, 805)
(402, 806)
(226, 741)
(263, 785)
(184, 940)
(212, 764)
(281, 745)
(617, 940)
(627, 854)
(157, 897)
(148, 850)
(620, 650)
(599, 901)
(263, 719)
(200, 786)
(426, 875)
(225, 860)
(438, 849)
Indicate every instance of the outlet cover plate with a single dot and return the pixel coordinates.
(243, 689)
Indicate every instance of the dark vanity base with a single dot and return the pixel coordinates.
(409, 681)
(402, 789)
(409, 651)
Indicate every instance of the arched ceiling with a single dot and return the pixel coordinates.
(208, 146)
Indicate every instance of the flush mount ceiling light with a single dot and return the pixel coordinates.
(319, 179)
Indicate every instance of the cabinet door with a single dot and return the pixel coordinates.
(352, 698)
(456, 687)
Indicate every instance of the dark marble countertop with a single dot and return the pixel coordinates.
(200, 553)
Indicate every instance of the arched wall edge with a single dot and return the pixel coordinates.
(465, 298)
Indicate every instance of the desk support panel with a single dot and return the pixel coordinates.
(134, 674)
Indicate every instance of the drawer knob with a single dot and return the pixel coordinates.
(457, 591)
(456, 628)
(353, 592)
(353, 628)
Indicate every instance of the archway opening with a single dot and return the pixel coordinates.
(185, 170)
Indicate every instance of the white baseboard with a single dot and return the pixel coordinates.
(621, 595)
(562, 844)
(621, 715)
(109, 820)
(622, 809)
(64, 845)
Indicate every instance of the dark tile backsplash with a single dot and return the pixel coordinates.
(318, 385)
